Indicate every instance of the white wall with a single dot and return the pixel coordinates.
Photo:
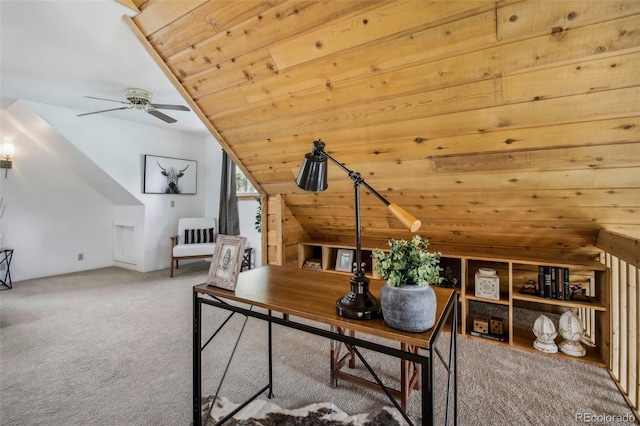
(73, 179)
(118, 147)
(54, 214)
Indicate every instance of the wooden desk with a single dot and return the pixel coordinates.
(312, 296)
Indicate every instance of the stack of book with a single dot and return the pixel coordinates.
(490, 336)
(553, 282)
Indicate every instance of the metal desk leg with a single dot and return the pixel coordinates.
(454, 349)
(197, 361)
(427, 389)
(452, 367)
(270, 394)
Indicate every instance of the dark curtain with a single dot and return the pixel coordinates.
(228, 219)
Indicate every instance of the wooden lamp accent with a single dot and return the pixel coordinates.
(408, 220)
(359, 303)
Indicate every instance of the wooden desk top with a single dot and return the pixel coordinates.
(313, 295)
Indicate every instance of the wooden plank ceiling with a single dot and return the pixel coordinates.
(504, 126)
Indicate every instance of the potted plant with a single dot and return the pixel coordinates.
(407, 299)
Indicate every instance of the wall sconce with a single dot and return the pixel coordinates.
(359, 303)
(6, 157)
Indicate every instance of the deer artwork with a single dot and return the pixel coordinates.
(172, 176)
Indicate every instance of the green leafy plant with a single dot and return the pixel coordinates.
(258, 220)
(408, 262)
(449, 280)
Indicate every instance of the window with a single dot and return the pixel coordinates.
(243, 186)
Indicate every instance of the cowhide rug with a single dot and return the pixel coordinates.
(264, 413)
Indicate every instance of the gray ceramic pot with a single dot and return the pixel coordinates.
(409, 307)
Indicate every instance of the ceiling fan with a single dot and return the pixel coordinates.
(141, 99)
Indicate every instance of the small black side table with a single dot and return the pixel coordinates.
(6, 254)
(246, 259)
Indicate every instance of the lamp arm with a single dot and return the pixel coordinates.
(407, 219)
(353, 175)
(337, 163)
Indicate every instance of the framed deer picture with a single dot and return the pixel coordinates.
(166, 175)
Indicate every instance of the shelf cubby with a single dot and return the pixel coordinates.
(514, 273)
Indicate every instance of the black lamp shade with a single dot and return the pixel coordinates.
(313, 172)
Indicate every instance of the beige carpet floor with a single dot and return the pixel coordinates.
(113, 347)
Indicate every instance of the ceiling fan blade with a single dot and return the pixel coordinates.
(173, 107)
(104, 110)
(161, 116)
(110, 100)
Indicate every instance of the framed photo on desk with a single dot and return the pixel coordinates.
(226, 261)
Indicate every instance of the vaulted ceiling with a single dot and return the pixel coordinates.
(504, 126)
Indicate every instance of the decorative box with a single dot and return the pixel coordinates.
(480, 325)
(496, 326)
(487, 284)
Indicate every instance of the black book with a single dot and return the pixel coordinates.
(541, 281)
(566, 291)
(496, 337)
(547, 282)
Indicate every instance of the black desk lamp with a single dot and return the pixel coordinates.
(359, 303)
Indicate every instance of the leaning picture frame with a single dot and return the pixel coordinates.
(344, 260)
(226, 261)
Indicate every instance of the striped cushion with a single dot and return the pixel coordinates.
(197, 236)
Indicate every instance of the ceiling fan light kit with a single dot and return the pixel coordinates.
(140, 99)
